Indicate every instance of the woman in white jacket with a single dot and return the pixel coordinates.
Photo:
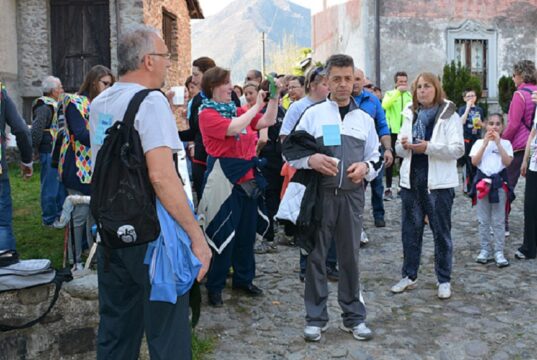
(430, 142)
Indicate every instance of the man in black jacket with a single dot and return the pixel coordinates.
(10, 116)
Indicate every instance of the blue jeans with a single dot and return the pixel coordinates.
(7, 239)
(52, 191)
(377, 193)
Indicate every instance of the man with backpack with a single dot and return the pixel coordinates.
(125, 308)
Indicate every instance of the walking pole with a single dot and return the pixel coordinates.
(65, 240)
(73, 250)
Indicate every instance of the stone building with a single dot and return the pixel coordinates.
(66, 38)
(385, 36)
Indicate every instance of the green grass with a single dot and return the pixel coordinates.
(35, 241)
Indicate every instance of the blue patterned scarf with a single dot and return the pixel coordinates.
(228, 110)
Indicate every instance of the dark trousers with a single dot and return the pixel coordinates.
(198, 174)
(513, 174)
(331, 258)
(416, 203)
(272, 197)
(239, 253)
(389, 169)
(342, 221)
(469, 169)
(529, 246)
(377, 194)
(126, 311)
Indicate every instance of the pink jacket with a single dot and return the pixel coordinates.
(520, 109)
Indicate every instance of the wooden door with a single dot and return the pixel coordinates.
(80, 37)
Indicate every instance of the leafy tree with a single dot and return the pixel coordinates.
(506, 89)
(456, 79)
(287, 57)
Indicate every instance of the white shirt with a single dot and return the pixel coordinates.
(491, 162)
(533, 149)
(154, 120)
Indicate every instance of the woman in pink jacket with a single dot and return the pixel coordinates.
(520, 119)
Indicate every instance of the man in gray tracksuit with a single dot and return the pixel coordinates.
(349, 133)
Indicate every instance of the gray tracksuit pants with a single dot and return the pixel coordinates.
(490, 216)
(342, 221)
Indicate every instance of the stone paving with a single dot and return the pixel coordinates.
(491, 315)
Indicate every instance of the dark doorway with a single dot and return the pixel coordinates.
(80, 34)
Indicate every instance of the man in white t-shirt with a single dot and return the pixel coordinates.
(124, 306)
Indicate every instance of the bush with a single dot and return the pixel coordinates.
(458, 78)
(506, 89)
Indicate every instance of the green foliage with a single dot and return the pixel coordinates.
(456, 79)
(506, 89)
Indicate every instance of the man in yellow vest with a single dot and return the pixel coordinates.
(393, 103)
(44, 112)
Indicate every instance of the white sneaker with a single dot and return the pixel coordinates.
(313, 333)
(444, 291)
(483, 257)
(363, 238)
(501, 261)
(359, 332)
(403, 284)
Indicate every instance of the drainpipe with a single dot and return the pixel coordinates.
(118, 27)
(377, 42)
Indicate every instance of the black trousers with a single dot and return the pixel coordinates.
(126, 312)
(529, 246)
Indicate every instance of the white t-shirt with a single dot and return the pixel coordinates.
(293, 114)
(154, 121)
(491, 162)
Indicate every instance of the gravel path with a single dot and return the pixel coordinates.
(491, 315)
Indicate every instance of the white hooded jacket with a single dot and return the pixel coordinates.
(443, 150)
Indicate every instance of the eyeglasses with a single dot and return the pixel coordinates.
(369, 86)
(166, 56)
(294, 87)
(105, 83)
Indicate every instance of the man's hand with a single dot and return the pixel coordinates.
(357, 171)
(26, 171)
(402, 88)
(323, 164)
(404, 143)
(202, 251)
(419, 148)
(388, 157)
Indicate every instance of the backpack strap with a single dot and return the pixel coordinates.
(61, 277)
(134, 105)
(529, 91)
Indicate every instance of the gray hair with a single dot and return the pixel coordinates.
(339, 60)
(49, 84)
(526, 69)
(133, 45)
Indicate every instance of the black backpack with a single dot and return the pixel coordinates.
(122, 197)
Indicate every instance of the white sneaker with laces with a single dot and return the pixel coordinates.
(313, 333)
(404, 284)
(444, 290)
(501, 261)
(359, 332)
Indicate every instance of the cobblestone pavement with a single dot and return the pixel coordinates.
(491, 315)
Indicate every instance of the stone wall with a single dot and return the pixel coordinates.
(414, 34)
(8, 46)
(180, 68)
(33, 46)
(67, 332)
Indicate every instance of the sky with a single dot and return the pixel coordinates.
(211, 7)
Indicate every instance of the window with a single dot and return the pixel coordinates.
(475, 46)
(169, 32)
(473, 55)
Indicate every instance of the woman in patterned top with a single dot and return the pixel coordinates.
(75, 155)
